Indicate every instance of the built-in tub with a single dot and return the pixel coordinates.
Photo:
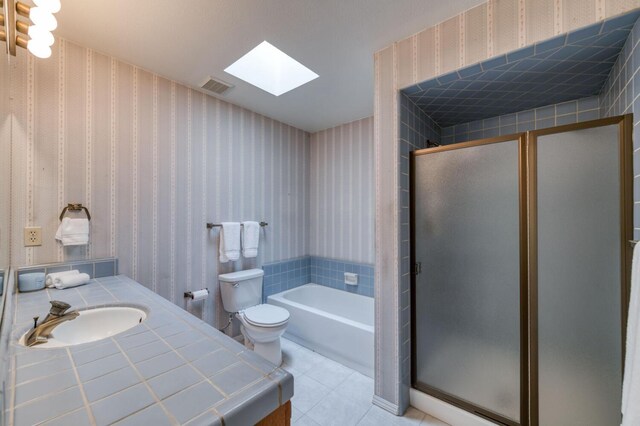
(334, 323)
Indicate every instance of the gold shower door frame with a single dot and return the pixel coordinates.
(528, 231)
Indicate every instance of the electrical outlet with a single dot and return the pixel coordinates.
(32, 236)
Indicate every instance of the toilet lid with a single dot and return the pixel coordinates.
(266, 315)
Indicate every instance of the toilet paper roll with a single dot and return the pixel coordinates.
(199, 294)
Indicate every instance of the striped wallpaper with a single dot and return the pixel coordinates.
(153, 161)
(342, 192)
(492, 28)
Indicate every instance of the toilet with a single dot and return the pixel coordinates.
(262, 325)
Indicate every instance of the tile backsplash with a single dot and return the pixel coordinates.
(96, 268)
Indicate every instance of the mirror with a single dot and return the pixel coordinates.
(5, 209)
(5, 171)
(5, 160)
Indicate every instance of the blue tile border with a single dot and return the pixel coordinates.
(292, 273)
(330, 273)
(96, 268)
(284, 275)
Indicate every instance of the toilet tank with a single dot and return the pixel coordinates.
(241, 290)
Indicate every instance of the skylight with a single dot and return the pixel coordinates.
(270, 69)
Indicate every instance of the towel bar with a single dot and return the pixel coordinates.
(217, 225)
(72, 207)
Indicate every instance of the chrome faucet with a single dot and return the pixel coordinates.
(56, 316)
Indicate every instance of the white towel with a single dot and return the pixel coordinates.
(250, 238)
(230, 241)
(53, 278)
(631, 383)
(73, 232)
(72, 280)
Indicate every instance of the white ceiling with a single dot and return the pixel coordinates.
(189, 40)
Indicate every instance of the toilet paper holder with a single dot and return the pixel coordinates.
(196, 295)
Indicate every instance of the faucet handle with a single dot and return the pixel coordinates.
(58, 307)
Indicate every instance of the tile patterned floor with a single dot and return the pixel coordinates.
(328, 393)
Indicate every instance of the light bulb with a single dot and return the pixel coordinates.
(52, 6)
(41, 35)
(43, 18)
(41, 50)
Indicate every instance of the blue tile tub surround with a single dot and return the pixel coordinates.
(96, 268)
(567, 67)
(285, 275)
(281, 276)
(539, 118)
(330, 273)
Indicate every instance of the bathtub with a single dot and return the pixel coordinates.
(334, 323)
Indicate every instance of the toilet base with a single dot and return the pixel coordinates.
(271, 351)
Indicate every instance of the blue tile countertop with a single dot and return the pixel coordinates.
(171, 369)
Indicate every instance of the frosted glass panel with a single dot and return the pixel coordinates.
(579, 278)
(467, 296)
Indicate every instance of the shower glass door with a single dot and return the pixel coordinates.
(521, 286)
(578, 242)
(469, 244)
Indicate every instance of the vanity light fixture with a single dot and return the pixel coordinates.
(38, 26)
(270, 69)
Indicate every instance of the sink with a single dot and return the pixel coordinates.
(93, 324)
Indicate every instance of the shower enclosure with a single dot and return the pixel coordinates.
(521, 254)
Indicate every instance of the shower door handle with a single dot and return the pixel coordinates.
(417, 268)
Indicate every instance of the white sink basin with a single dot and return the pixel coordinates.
(91, 325)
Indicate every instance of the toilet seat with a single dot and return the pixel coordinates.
(266, 315)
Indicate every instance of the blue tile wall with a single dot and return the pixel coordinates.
(621, 95)
(569, 66)
(415, 128)
(96, 268)
(539, 118)
(281, 276)
(330, 273)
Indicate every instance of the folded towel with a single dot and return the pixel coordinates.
(53, 278)
(73, 232)
(631, 382)
(250, 238)
(72, 280)
(229, 241)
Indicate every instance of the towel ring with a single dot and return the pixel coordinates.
(72, 207)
